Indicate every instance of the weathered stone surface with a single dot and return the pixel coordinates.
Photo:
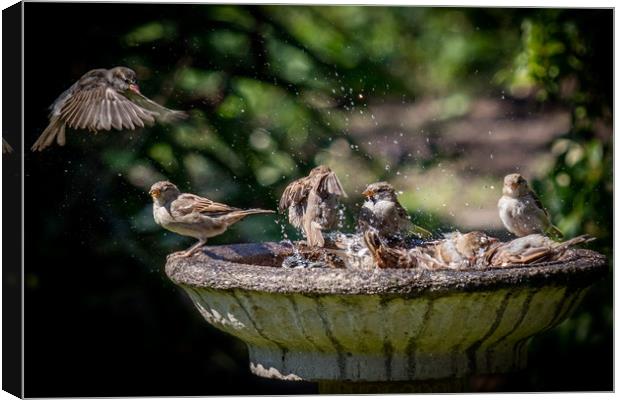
(382, 325)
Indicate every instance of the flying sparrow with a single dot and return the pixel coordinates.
(194, 216)
(521, 211)
(312, 203)
(101, 100)
(383, 212)
(461, 250)
(6, 148)
(530, 249)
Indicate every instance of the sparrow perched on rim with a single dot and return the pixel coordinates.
(312, 203)
(102, 99)
(6, 148)
(383, 212)
(530, 249)
(194, 216)
(461, 250)
(521, 211)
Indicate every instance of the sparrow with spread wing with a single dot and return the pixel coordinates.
(312, 203)
(530, 249)
(194, 216)
(383, 212)
(101, 100)
(521, 211)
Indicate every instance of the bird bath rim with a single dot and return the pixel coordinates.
(256, 267)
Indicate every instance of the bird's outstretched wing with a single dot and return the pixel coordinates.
(99, 107)
(190, 203)
(6, 148)
(294, 193)
(162, 113)
(329, 184)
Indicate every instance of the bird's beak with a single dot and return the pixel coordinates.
(154, 193)
(368, 193)
(134, 88)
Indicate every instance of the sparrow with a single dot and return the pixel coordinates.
(193, 216)
(312, 203)
(395, 257)
(102, 99)
(461, 250)
(521, 211)
(383, 212)
(530, 249)
(6, 148)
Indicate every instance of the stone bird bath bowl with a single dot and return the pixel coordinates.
(401, 330)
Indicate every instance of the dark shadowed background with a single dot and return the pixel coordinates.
(442, 102)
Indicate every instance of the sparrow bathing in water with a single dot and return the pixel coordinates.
(394, 257)
(461, 250)
(383, 212)
(530, 249)
(193, 216)
(312, 203)
(456, 251)
(521, 211)
(102, 99)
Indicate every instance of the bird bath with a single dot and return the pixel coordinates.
(389, 330)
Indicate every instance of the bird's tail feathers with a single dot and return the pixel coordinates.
(554, 232)
(575, 241)
(55, 130)
(314, 235)
(171, 116)
(163, 114)
(252, 211)
(421, 232)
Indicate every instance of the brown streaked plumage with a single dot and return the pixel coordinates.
(194, 216)
(383, 212)
(312, 203)
(461, 250)
(456, 251)
(531, 249)
(395, 257)
(102, 100)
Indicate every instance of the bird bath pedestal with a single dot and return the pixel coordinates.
(380, 331)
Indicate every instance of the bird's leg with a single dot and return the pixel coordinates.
(192, 250)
